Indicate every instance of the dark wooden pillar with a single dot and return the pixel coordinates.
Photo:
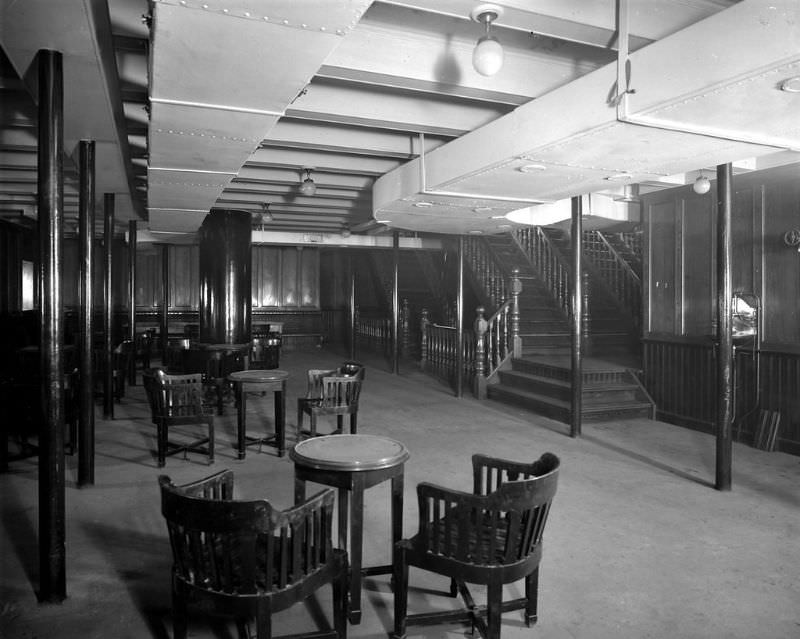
(577, 315)
(108, 328)
(225, 277)
(352, 313)
(164, 303)
(86, 155)
(396, 303)
(724, 327)
(52, 528)
(132, 299)
(460, 320)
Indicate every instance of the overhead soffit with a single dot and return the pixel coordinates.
(210, 104)
(699, 101)
(75, 29)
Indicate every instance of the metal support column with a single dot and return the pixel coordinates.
(396, 303)
(164, 303)
(460, 320)
(577, 314)
(724, 327)
(52, 517)
(132, 299)
(86, 155)
(108, 252)
(352, 314)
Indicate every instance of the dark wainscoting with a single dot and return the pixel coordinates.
(680, 375)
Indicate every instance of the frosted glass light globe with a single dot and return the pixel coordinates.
(487, 57)
(702, 185)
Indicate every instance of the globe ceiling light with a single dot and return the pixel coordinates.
(308, 187)
(487, 57)
(702, 185)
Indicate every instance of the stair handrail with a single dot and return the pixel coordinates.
(619, 259)
(497, 339)
(621, 280)
(549, 262)
(485, 270)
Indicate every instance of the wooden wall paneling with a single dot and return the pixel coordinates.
(662, 265)
(184, 287)
(119, 275)
(289, 277)
(309, 277)
(266, 268)
(781, 296)
(744, 241)
(148, 278)
(697, 248)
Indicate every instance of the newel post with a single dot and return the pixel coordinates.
(481, 325)
(405, 314)
(423, 346)
(516, 289)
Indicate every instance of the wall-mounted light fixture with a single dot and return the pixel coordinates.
(702, 184)
(487, 57)
(308, 187)
(266, 216)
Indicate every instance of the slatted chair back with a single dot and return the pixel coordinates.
(178, 400)
(232, 553)
(180, 396)
(315, 377)
(340, 393)
(491, 536)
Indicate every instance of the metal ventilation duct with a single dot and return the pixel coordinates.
(700, 95)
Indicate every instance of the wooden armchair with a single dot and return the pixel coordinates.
(492, 536)
(177, 400)
(245, 558)
(329, 393)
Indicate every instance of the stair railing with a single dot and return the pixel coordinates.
(497, 339)
(625, 285)
(548, 261)
(485, 270)
(439, 351)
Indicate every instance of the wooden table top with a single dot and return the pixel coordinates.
(349, 452)
(256, 375)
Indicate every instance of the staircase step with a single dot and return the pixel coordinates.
(561, 410)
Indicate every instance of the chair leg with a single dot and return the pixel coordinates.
(340, 423)
(179, 615)
(532, 596)
(263, 619)
(161, 443)
(354, 423)
(400, 591)
(340, 600)
(299, 419)
(313, 418)
(453, 587)
(210, 441)
(494, 608)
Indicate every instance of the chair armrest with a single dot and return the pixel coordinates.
(218, 486)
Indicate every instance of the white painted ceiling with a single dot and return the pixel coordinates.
(224, 103)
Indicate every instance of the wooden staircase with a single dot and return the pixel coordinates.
(540, 380)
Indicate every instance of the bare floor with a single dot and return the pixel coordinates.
(638, 545)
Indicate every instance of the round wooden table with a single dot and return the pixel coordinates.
(263, 380)
(353, 463)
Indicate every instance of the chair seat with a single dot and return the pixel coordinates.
(492, 536)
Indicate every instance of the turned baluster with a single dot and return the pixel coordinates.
(480, 327)
(405, 315)
(516, 289)
(585, 317)
(423, 345)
